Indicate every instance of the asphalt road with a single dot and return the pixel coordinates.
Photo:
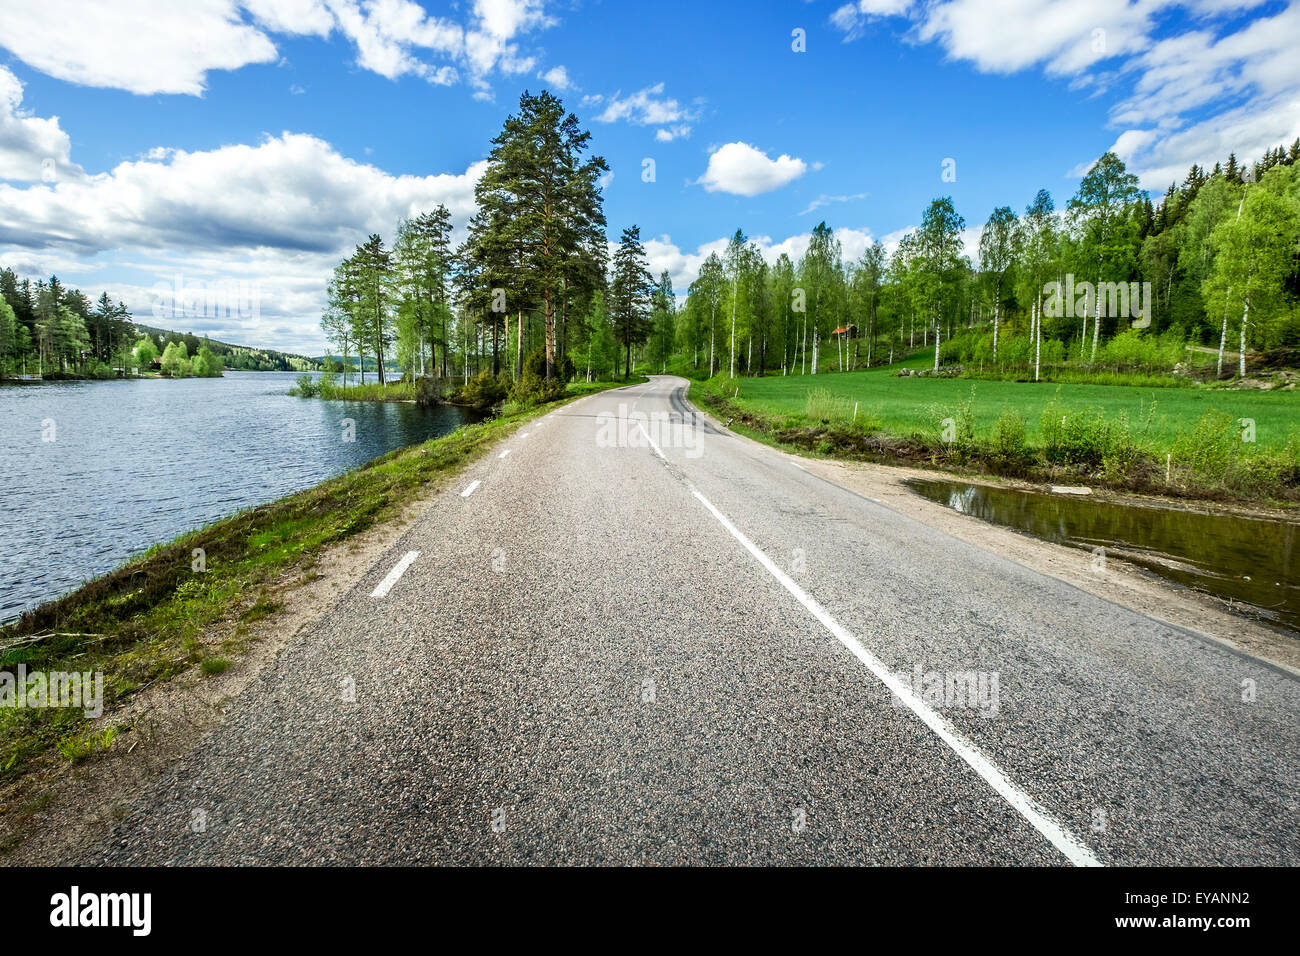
(662, 643)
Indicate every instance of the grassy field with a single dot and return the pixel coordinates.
(1188, 442)
(154, 618)
(906, 406)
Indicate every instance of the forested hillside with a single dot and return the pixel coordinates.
(51, 330)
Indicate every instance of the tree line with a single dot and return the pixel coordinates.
(45, 327)
(1220, 252)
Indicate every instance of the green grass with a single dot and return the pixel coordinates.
(906, 406)
(1177, 441)
(145, 622)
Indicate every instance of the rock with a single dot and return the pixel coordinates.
(1070, 490)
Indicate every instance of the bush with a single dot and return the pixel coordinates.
(533, 388)
(482, 391)
(1209, 450)
(307, 386)
(1073, 438)
(955, 428)
(1010, 449)
(429, 390)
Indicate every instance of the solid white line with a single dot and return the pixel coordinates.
(470, 490)
(394, 575)
(658, 451)
(1026, 806)
(504, 453)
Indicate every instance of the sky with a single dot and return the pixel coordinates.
(209, 162)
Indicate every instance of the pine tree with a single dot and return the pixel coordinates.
(630, 289)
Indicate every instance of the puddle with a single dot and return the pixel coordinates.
(1250, 561)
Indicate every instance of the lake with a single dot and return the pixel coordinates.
(96, 472)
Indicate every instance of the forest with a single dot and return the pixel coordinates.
(1188, 285)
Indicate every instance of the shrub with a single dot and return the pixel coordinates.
(1010, 449)
(430, 390)
(1073, 438)
(482, 391)
(1121, 454)
(533, 388)
(1209, 450)
(307, 386)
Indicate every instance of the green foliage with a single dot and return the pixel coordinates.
(482, 391)
(176, 361)
(1009, 445)
(307, 386)
(533, 388)
(1211, 447)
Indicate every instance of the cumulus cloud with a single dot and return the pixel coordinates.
(647, 107)
(31, 147)
(743, 170)
(277, 215)
(557, 78)
(160, 46)
(292, 191)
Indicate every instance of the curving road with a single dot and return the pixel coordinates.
(629, 636)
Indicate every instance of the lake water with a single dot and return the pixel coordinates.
(1245, 561)
(96, 472)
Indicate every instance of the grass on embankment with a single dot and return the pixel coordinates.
(399, 391)
(1111, 435)
(144, 622)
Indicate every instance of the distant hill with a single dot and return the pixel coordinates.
(239, 358)
(390, 364)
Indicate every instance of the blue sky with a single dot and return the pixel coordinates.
(240, 148)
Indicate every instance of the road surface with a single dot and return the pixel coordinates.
(630, 637)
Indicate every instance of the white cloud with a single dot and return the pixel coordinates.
(1063, 36)
(852, 18)
(291, 191)
(667, 134)
(144, 46)
(31, 147)
(647, 107)
(161, 46)
(279, 214)
(557, 77)
(742, 170)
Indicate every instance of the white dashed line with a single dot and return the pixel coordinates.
(504, 453)
(394, 575)
(470, 490)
